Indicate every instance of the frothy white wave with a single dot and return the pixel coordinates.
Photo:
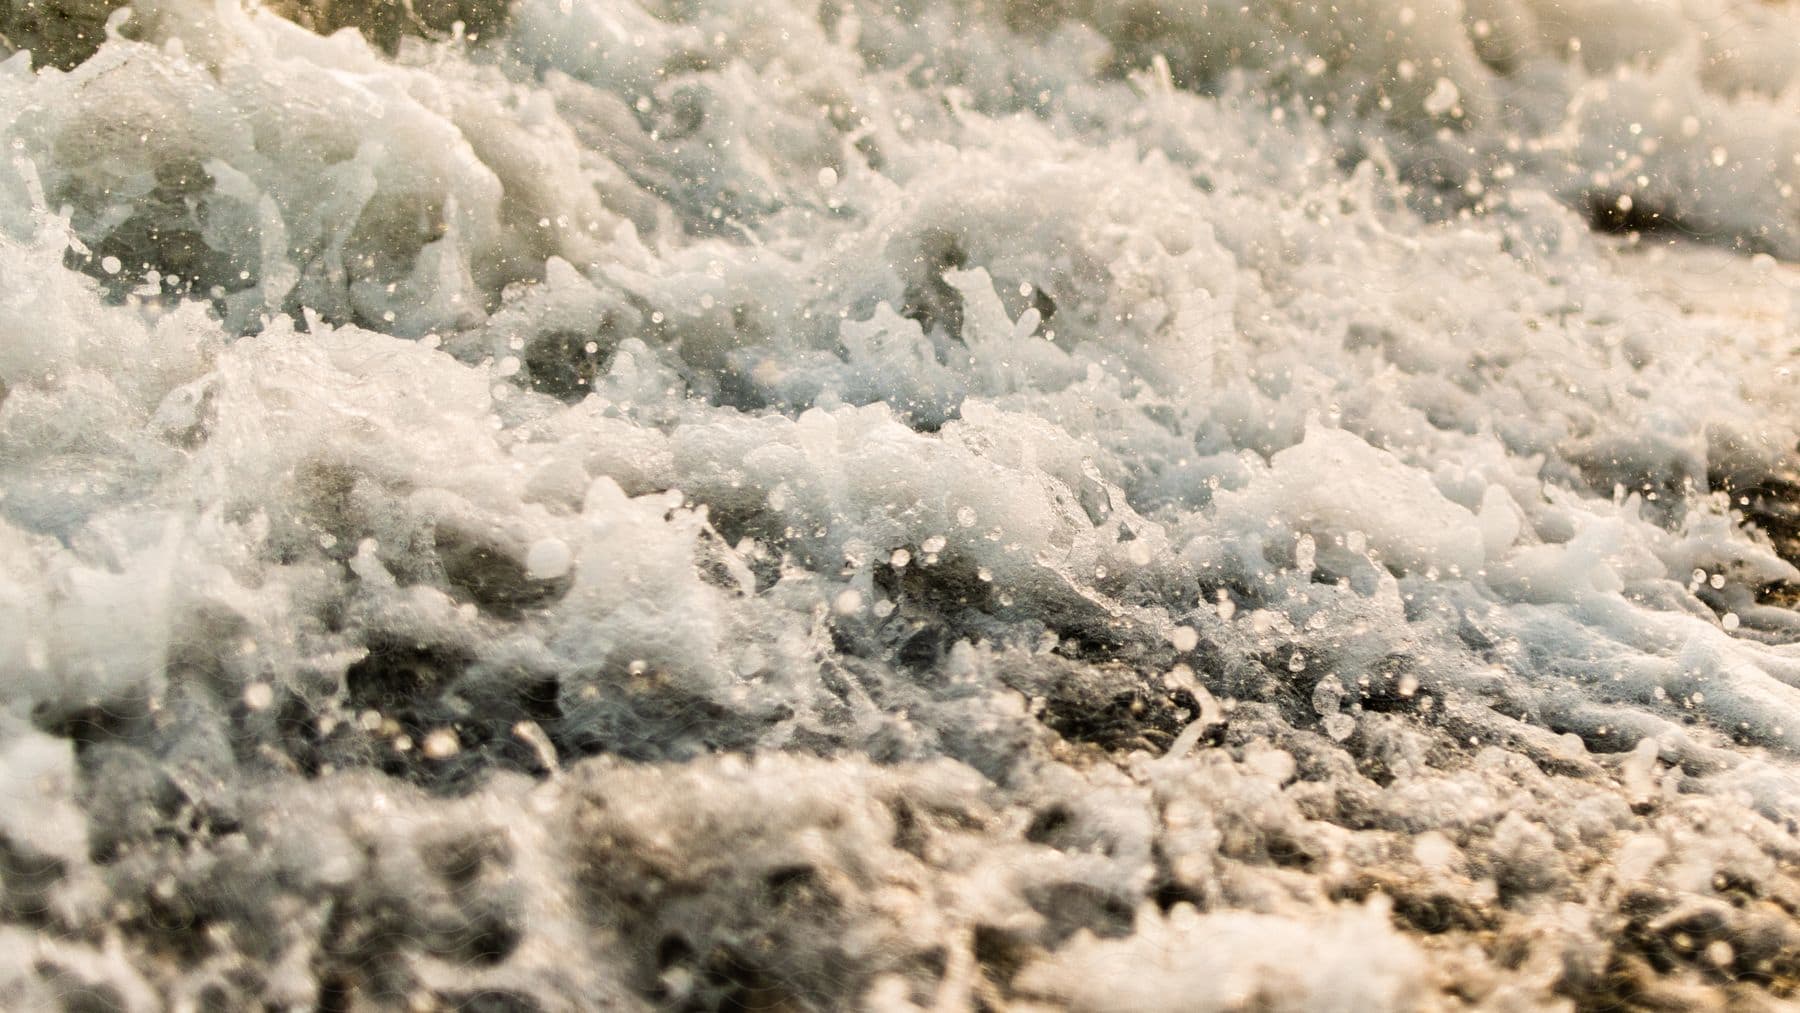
(865, 505)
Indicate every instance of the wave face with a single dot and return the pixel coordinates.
(717, 505)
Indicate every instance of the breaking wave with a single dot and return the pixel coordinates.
(1081, 505)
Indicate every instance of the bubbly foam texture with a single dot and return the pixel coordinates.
(849, 505)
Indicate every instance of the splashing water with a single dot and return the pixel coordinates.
(1036, 505)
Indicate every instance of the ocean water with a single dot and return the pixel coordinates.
(966, 506)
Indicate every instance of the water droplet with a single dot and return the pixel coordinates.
(1442, 98)
(442, 743)
(1226, 607)
(1306, 552)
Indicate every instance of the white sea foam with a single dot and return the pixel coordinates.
(718, 504)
